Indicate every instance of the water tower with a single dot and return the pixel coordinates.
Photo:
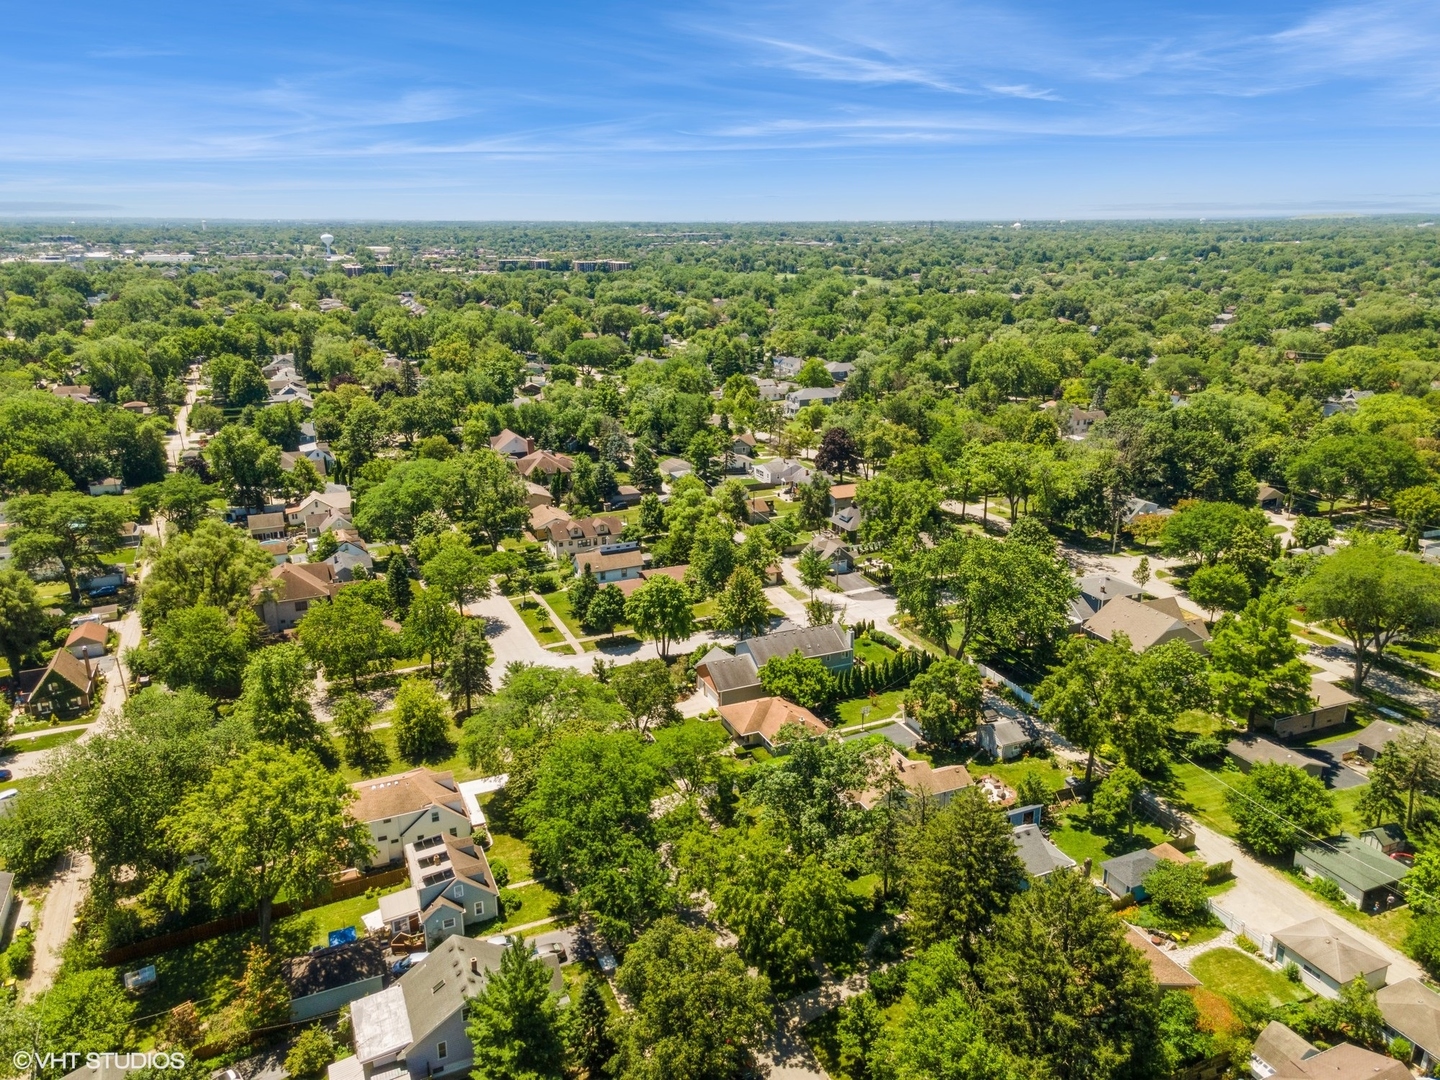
(327, 240)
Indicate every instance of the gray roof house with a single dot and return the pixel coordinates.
(1258, 750)
(810, 395)
(1377, 735)
(1368, 877)
(1097, 590)
(451, 888)
(1280, 1053)
(1152, 623)
(1327, 957)
(416, 1027)
(1039, 855)
(1003, 740)
(322, 981)
(1125, 873)
(726, 680)
(1412, 1012)
(1329, 707)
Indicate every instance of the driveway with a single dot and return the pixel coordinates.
(1337, 774)
(57, 919)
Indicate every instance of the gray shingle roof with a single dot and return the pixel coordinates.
(809, 640)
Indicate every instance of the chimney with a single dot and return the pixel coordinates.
(474, 966)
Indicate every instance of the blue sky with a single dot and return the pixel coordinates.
(857, 109)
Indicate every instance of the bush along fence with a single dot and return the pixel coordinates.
(889, 674)
(245, 920)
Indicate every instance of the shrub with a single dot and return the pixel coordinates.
(1207, 748)
(1292, 972)
(888, 984)
(1401, 1049)
(501, 873)
(1246, 945)
(20, 955)
(312, 1053)
(1328, 890)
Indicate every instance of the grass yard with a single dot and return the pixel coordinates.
(1012, 772)
(531, 615)
(1230, 972)
(847, 712)
(205, 972)
(559, 602)
(872, 652)
(342, 913)
(1201, 794)
(45, 742)
(453, 761)
(512, 851)
(1390, 927)
(1072, 836)
(797, 593)
(1423, 654)
(535, 902)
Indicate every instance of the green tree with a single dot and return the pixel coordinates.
(1113, 805)
(606, 610)
(1255, 666)
(430, 625)
(397, 582)
(582, 590)
(347, 637)
(245, 464)
(361, 748)
(1178, 890)
(1218, 588)
(86, 1012)
(467, 672)
(798, 678)
(457, 573)
(1277, 808)
(1065, 990)
(660, 610)
(813, 498)
(24, 626)
(590, 1042)
(813, 568)
(1309, 532)
(1419, 509)
(271, 821)
(858, 1030)
(742, 608)
(946, 699)
(67, 528)
(213, 564)
(310, 1054)
(1353, 1016)
(1407, 772)
(697, 1012)
(185, 500)
(963, 871)
(652, 514)
(514, 1022)
(1206, 530)
(1375, 595)
(647, 690)
(808, 797)
(420, 722)
(489, 497)
(944, 1038)
(275, 697)
(200, 647)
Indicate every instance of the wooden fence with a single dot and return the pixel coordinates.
(341, 890)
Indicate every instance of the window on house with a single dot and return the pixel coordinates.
(381, 839)
(458, 891)
(438, 987)
(302, 605)
(442, 1049)
(454, 833)
(434, 815)
(448, 924)
(479, 907)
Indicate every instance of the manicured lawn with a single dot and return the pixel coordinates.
(1201, 794)
(1230, 972)
(45, 742)
(535, 902)
(512, 851)
(559, 602)
(798, 594)
(1420, 653)
(342, 913)
(883, 705)
(454, 761)
(872, 652)
(1074, 838)
(531, 614)
(1012, 772)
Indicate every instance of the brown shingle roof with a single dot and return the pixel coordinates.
(88, 633)
(1169, 974)
(766, 716)
(610, 560)
(74, 671)
(404, 793)
(299, 581)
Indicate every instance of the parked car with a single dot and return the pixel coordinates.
(105, 590)
(4, 774)
(406, 962)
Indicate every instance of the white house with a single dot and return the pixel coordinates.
(409, 807)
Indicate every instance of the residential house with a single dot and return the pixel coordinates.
(545, 463)
(1039, 855)
(761, 511)
(608, 566)
(109, 486)
(1258, 750)
(673, 468)
(331, 521)
(586, 534)
(508, 444)
(105, 582)
(415, 1028)
(1327, 957)
(1125, 874)
(839, 370)
(842, 561)
(1080, 421)
(1280, 1053)
(1330, 707)
(1368, 877)
(63, 688)
(788, 366)
(1138, 507)
(771, 389)
(1378, 734)
(921, 779)
(780, 472)
(544, 518)
(841, 496)
(280, 364)
(1002, 740)
(324, 981)
(810, 395)
(87, 641)
(1348, 402)
(726, 680)
(451, 888)
(335, 497)
(743, 445)
(625, 496)
(1271, 499)
(1097, 590)
(1412, 1012)
(318, 453)
(847, 520)
(286, 594)
(1152, 623)
(678, 571)
(757, 722)
(406, 808)
(130, 534)
(1168, 974)
(537, 495)
(346, 560)
(278, 550)
(266, 526)
(80, 394)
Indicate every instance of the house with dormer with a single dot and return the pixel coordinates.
(406, 808)
(451, 889)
